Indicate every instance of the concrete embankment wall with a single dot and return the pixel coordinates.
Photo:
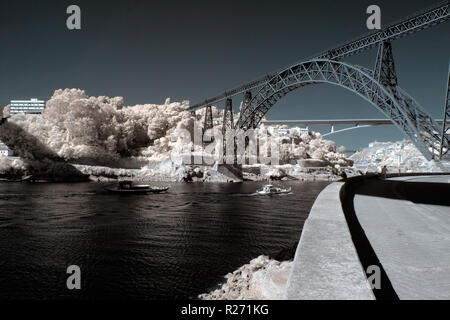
(326, 265)
(234, 172)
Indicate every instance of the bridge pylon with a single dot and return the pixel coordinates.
(228, 122)
(227, 134)
(208, 122)
(246, 102)
(244, 105)
(445, 127)
(384, 71)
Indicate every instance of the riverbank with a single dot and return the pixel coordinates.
(169, 172)
(261, 279)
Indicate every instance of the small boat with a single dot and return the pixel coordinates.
(269, 189)
(127, 187)
(22, 179)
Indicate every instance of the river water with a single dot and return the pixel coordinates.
(167, 246)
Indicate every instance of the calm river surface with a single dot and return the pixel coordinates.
(167, 246)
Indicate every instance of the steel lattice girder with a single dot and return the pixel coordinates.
(403, 111)
(427, 18)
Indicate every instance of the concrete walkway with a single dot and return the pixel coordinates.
(411, 240)
(326, 266)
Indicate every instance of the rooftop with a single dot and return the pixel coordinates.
(24, 101)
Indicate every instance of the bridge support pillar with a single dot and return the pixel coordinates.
(228, 122)
(229, 145)
(208, 122)
(246, 101)
(445, 137)
(245, 104)
(384, 71)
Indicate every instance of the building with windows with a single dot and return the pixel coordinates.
(32, 106)
(4, 150)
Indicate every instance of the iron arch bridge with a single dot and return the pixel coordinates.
(378, 86)
(394, 102)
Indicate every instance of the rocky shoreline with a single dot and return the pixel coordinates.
(181, 174)
(168, 172)
(261, 279)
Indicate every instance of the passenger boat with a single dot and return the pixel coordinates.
(24, 178)
(127, 187)
(269, 189)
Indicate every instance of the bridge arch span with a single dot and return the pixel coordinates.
(395, 103)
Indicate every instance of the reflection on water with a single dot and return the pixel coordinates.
(159, 246)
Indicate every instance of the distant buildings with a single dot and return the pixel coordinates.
(288, 132)
(33, 106)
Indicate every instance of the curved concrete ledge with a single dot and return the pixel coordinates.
(326, 265)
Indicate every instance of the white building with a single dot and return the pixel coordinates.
(33, 106)
(4, 150)
(288, 132)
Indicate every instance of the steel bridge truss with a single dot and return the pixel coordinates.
(395, 103)
(378, 86)
(420, 21)
(436, 14)
(445, 127)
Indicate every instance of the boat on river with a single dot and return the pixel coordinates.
(22, 179)
(269, 189)
(127, 187)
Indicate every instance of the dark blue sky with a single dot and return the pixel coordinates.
(146, 51)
